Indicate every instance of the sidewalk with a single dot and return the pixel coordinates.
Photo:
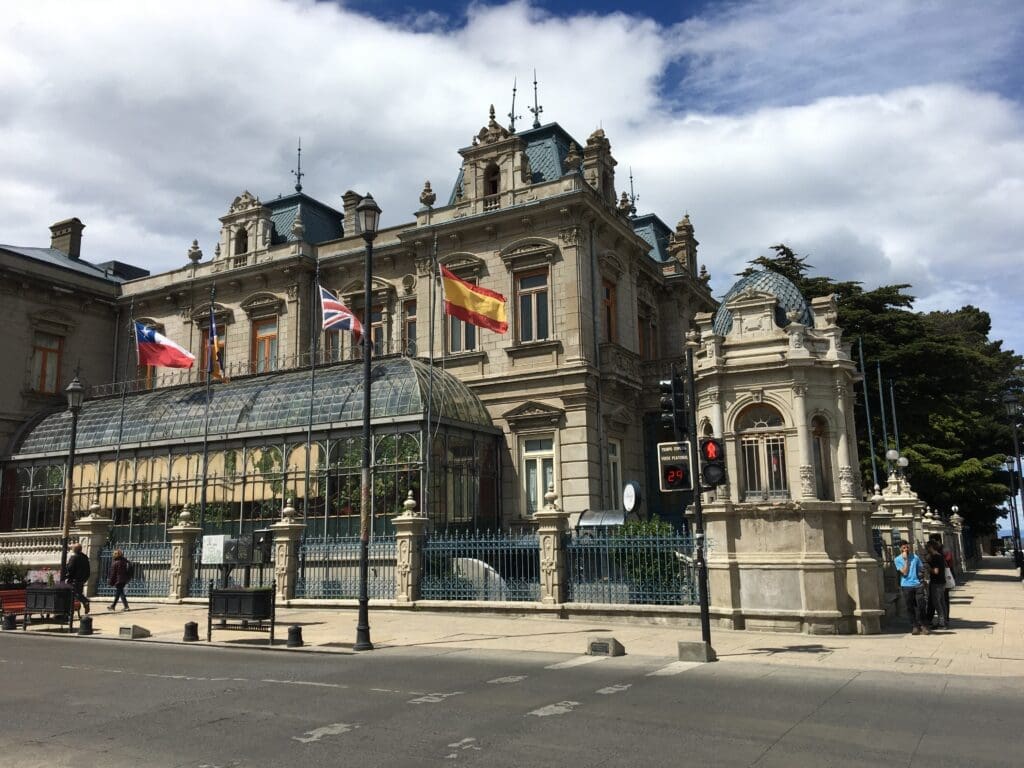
(986, 636)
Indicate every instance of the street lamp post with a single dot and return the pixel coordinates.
(1012, 404)
(75, 394)
(368, 216)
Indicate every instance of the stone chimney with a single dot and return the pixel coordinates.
(66, 236)
(350, 200)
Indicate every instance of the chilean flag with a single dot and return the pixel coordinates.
(156, 349)
(338, 317)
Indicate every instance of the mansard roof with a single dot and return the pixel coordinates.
(322, 223)
(656, 233)
(788, 299)
(269, 403)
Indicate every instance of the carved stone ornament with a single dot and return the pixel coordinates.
(409, 284)
(569, 235)
(427, 196)
(533, 414)
(195, 254)
(799, 390)
(573, 160)
(244, 202)
(492, 132)
(846, 489)
(807, 489)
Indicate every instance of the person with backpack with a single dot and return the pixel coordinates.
(120, 575)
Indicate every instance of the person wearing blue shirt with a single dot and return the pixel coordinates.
(910, 568)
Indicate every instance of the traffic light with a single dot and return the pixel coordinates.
(712, 462)
(673, 404)
(674, 467)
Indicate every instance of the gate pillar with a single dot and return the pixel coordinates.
(552, 523)
(183, 538)
(409, 529)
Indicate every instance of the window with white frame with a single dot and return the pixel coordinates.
(532, 304)
(538, 470)
(762, 453)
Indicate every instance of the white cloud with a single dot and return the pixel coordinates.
(146, 119)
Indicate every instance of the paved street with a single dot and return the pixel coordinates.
(68, 703)
(504, 691)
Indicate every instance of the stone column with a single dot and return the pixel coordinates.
(846, 484)
(92, 532)
(409, 529)
(807, 490)
(958, 537)
(287, 535)
(552, 524)
(183, 538)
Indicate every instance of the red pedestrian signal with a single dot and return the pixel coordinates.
(712, 461)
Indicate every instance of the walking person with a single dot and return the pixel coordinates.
(76, 573)
(936, 584)
(119, 578)
(910, 569)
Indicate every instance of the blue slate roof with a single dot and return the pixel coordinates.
(60, 259)
(656, 232)
(787, 296)
(322, 222)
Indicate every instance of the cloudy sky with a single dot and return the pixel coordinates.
(883, 140)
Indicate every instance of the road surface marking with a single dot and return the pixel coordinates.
(579, 660)
(674, 668)
(433, 698)
(304, 682)
(619, 688)
(509, 679)
(335, 729)
(467, 743)
(561, 708)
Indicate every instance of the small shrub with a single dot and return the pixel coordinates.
(12, 572)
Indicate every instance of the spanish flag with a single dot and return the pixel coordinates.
(472, 303)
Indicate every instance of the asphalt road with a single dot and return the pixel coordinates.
(84, 702)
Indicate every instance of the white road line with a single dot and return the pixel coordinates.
(467, 743)
(304, 682)
(561, 708)
(618, 688)
(578, 661)
(505, 680)
(674, 668)
(334, 729)
(434, 698)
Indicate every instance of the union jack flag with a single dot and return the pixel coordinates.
(338, 317)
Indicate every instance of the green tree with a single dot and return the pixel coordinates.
(947, 376)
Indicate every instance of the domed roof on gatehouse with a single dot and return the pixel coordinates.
(788, 299)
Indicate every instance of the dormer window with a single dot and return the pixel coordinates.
(492, 185)
(241, 241)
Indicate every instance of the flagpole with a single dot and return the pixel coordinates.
(210, 352)
(120, 424)
(314, 335)
(867, 412)
(428, 449)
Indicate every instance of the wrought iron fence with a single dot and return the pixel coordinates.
(619, 568)
(329, 568)
(481, 566)
(152, 573)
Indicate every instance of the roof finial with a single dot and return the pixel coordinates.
(512, 116)
(298, 174)
(536, 108)
(633, 197)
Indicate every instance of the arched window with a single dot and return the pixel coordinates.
(763, 453)
(241, 241)
(822, 451)
(492, 180)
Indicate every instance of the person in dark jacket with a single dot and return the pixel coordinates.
(76, 573)
(118, 579)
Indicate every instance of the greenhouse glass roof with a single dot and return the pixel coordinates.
(278, 402)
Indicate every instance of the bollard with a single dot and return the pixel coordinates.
(10, 621)
(191, 632)
(85, 625)
(295, 636)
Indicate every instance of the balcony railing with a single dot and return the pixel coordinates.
(240, 369)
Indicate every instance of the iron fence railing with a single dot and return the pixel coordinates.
(617, 568)
(152, 571)
(489, 565)
(329, 568)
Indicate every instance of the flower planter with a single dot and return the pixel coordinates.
(242, 608)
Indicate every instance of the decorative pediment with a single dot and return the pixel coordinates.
(262, 304)
(244, 202)
(611, 266)
(619, 418)
(491, 133)
(532, 414)
(201, 315)
(528, 252)
(56, 323)
(464, 264)
(379, 289)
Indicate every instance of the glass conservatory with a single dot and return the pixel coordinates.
(265, 439)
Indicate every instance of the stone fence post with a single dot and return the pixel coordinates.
(92, 532)
(409, 530)
(552, 524)
(183, 538)
(287, 535)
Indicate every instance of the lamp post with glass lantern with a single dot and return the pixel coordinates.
(75, 394)
(1012, 404)
(367, 216)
